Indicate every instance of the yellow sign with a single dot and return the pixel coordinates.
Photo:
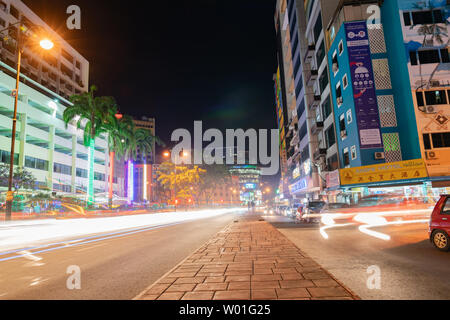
(410, 169)
(9, 196)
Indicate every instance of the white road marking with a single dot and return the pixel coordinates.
(28, 255)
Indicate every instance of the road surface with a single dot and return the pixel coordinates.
(410, 267)
(114, 265)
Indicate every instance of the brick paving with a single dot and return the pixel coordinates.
(249, 259)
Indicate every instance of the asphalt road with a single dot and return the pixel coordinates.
(410, 267)
(118, 267)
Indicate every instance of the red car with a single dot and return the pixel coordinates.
(439, 228)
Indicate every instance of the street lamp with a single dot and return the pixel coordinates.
(45, 44)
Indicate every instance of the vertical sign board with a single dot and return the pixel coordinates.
(363, 83)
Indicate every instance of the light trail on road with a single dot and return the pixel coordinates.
(366, 228)
(37, 234)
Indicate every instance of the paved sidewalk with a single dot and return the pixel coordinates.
(249, 259)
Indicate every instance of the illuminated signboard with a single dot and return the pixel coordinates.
(250, 186)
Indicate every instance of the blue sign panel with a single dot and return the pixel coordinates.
(298, 186)
(363, 83)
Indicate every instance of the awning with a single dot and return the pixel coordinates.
(440, 184)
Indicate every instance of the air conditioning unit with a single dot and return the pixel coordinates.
(310, 53)
(430, 109)
(339, 100)
(380, 156)
(343, 134)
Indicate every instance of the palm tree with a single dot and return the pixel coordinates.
(120, 131)
(92, 114)
(139, 145)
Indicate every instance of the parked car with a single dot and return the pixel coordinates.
(310, 211)
(439, 227)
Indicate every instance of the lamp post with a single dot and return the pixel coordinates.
(46, 44)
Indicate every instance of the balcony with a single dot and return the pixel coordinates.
(310, 53)
(315, 102)
(320, 153)
(313, 75)
(317, 125)
(295, 139)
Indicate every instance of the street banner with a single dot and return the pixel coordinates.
(363, 83)
(402, 170)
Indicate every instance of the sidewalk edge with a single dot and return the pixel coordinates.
(354, 295)
(140, 295)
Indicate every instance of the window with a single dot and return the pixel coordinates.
(354, 154)
(326, 108)
(318, 27)
(427, 141)
(34, 163)
(330, 137)
(14, 12)
(342, 127)
(63, 169)
(339, 98)
(426, 17)
(349, 116)
(441, 140)
(346, 158)
(413, 58)
(323, 81)
(332, 162)
(82, 173)
(99, 176)
(429, 56)
(321, 53)
(445, 56)
(407, 18)
(420, 100)
(341, 47)
(446, 207)
(335, 62)
(436, 97)
(5, 157)
(345, 81)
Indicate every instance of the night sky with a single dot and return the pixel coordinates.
(178, 61)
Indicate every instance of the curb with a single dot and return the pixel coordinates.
(140, 295)
(353, 294)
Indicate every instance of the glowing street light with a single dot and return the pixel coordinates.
(46, 44)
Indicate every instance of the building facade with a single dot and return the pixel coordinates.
(54, 153)
(389, 94)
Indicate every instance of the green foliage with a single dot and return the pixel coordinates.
(95, 113)
(143, 140)
(22, 178)
(180, 179)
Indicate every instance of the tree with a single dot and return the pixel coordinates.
(143, 140)
(215, 176)
(22, 178)
(182, 180)
(120, 132)
(431, 32)
(92, 114)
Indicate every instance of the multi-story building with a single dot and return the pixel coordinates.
(247, 179)
(303, 67)
(390, 94)
(54, 153)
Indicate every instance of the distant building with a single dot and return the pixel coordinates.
(147, 124)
